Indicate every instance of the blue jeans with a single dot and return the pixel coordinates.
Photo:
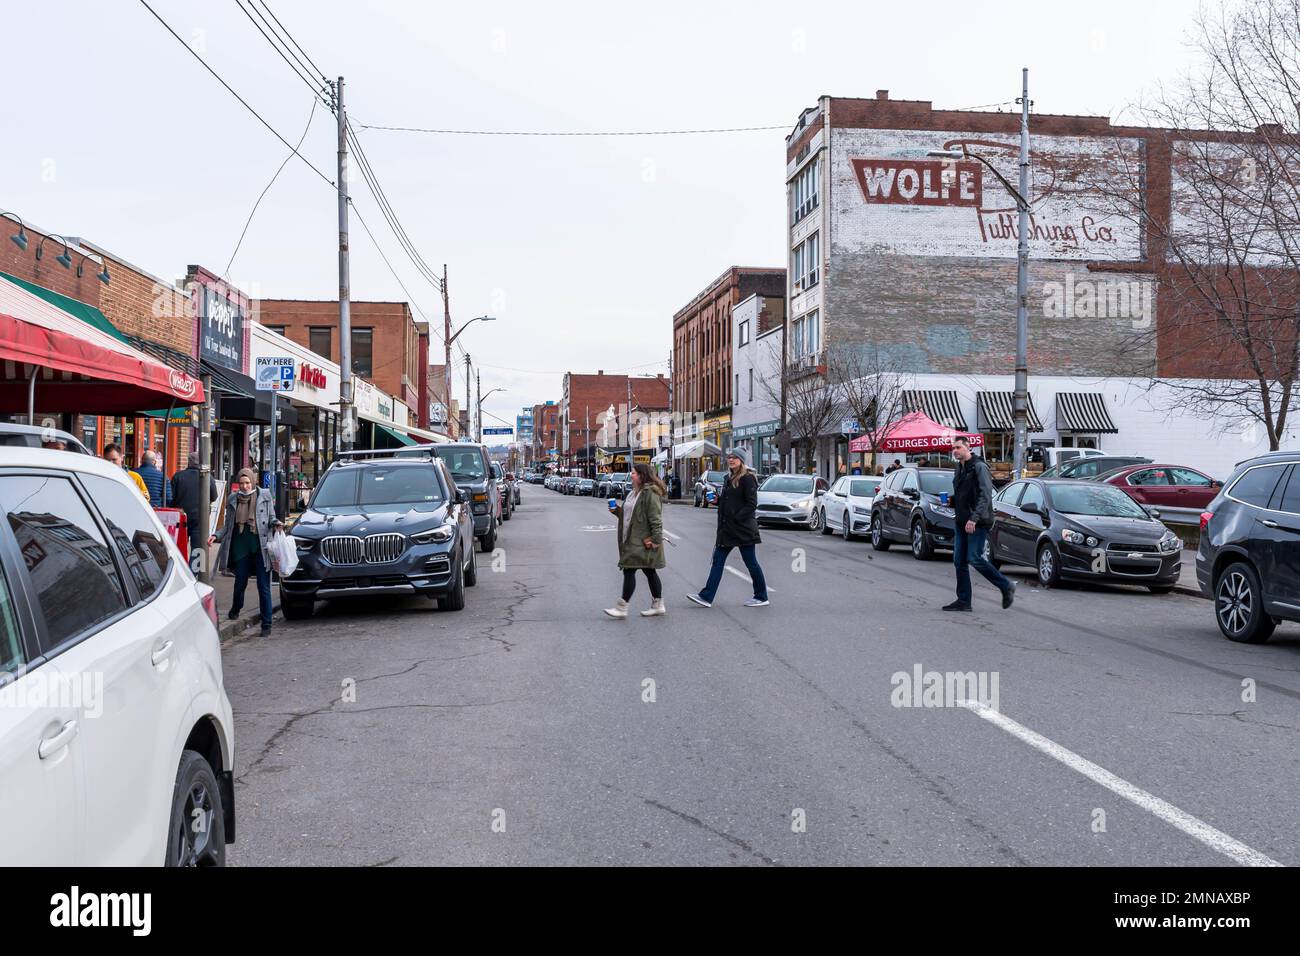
(245, 568)
(747, 552)
(968, 551)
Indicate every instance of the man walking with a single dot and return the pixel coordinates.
(187, 494)
(113, 455)
(154, 480)
(737, 528)
(972, 500)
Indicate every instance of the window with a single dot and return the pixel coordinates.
(1033, 495)
(909, 481)
(1150, 476)
(1291, 497)
(12, 656)
(1010, 495)
(132, 529)
(1185, 476)
(840, 487)
(72, 571)
(743, 335)
(277, 329)
(751, 384)
(806, 262)
(803, 193)
(320, 340)
(362, 352)
(1256, 486)
(805, 334)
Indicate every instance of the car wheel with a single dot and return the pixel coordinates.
(489, 541)
(988, 554)
(922, 550)
(817, 521)
(196, 834)
(296, 609)
(1239, 606)
(697, 501)
(1049, 565)
(878, 540)
(455, 598)
(505, 514)
(845, 528)
(471, 573)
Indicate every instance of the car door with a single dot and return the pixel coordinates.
(835, 503)
(909, 493)
(1026, 526)
(1191, 489)
(41, 769)
(1005, 514)
(1148, 487)
(1276, 545)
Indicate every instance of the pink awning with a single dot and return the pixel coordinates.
(914, 433)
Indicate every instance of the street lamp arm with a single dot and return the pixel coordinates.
(477, 318)
(1021, 201)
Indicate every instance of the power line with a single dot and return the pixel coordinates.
(249, 221)
(276, 45)
(297, 45)
(498, 132)
(232, 92)
(379, 249)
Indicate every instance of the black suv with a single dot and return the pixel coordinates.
(472, 471)
(379, 525)
(1248, 561)
(907, 509)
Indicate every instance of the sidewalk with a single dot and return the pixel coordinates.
(250, 616)
(1187, 579)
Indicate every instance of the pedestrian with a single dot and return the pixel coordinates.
(154, 479)
(972, 502)
(737, 528)
(113, 455)
(894, 467)
(641, 540)
(245, 537)
(187, 494)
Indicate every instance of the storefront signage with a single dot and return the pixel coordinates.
(759, 430)
(385, 406)
(310, 375)
(221, 339)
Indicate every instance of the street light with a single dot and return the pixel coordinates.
(481, 400)
(447, 347)
(1020, 400)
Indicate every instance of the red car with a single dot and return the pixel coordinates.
(1164, 486)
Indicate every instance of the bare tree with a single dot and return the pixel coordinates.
(811, 407)
(1225, 247)
(871, 385)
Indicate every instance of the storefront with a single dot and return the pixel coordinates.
(222, 348)
(995, 420)
(759, 439)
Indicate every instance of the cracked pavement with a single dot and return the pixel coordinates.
(516, 731)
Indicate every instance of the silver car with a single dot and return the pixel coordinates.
(846, 508)
(790, 499)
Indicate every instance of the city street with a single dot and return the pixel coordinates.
(524, 730)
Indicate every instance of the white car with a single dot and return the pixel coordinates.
(846, 508)
(116, 737)
(789, 499)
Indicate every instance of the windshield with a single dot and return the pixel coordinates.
(1103, 501)
(936, 482)
(864, 487)
(788, 485)
(620, 476)
(715, 477)
(363, 488)
(465, 464)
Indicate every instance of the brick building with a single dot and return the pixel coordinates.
(900, 249)
(604, 411)
(702, 352)
(546, 430)
(386, 342)
(440, 418)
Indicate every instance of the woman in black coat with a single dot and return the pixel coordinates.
(737, 528)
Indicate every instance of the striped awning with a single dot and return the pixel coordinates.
(1083, 412)
(996, 412)
(937, 405)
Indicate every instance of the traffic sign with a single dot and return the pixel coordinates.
(274, 373)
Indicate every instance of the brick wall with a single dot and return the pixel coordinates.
(592, 395)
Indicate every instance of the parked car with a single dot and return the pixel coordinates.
(1056, 455)
(710, 481)
(619, 484)
(383, 525)
(586, 486)
(472, 471)
(119, 772)
(1248, 560)
(1164, 486)
(846, 508)
(1091, 466)
(515, 483)
(570, 484)
(34, 436)
(1085, 530)
(601, 480)
(504, 491)
(789, 499)
(907, 509)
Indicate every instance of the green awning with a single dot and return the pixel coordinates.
(86, 313)
(395, 435)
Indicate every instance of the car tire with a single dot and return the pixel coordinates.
(489, 541)
(454, 600)
(922, 549)
(697, 501)
(1048, 565)
(878, 540)
(845, 528)
(296, 609)
(817, 521)
(471, 575)
(1239, 605)
(505, 514)
(196, 790)
(988, 555)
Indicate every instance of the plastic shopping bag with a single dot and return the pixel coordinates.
(284, 553)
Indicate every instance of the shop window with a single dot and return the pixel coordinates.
(363, 352)
(321, 341)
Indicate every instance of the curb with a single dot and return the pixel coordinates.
(248, 618)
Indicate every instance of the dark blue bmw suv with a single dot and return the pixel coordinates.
(379, 525)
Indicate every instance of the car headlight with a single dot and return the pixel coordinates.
(806, 503)
(860, 510)
(438, 535)
(943, 510)
(1074, 537)
(1170, 542)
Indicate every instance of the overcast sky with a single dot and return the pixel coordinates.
(582, 247)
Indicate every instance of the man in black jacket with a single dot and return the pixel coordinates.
(737, 528)
(972, 502)
(187, 495)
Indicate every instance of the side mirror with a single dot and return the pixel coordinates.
(1153, 512)
(462, 496)
(1032, 509)
(912, 493)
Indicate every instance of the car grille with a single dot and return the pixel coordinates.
(1143, 548)
(376, 549)
(773, 508)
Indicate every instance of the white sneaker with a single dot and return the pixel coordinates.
(619, 610)
(755, 602)
(698, 600)
(655, 609)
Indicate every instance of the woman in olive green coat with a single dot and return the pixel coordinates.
(641, 540)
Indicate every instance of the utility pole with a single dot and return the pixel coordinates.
(1020, 401)
(468, 406)
(586, 411)
(205, 529)
(478, 407)
(345, 282)
(446, 342)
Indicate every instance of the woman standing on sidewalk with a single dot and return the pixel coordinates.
(641, 540)
(250, 519)
(737, 528)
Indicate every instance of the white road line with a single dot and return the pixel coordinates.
(743, 576)
(669, 534)
(1199, 829)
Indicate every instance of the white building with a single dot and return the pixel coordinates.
(758, 341)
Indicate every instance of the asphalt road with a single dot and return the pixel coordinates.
(518, 730)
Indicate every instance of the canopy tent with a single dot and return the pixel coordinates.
(915, 433)
(59, 360)
(660, 458)
(696, 449)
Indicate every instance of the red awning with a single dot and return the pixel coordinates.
(914, 433)
(79, 368)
